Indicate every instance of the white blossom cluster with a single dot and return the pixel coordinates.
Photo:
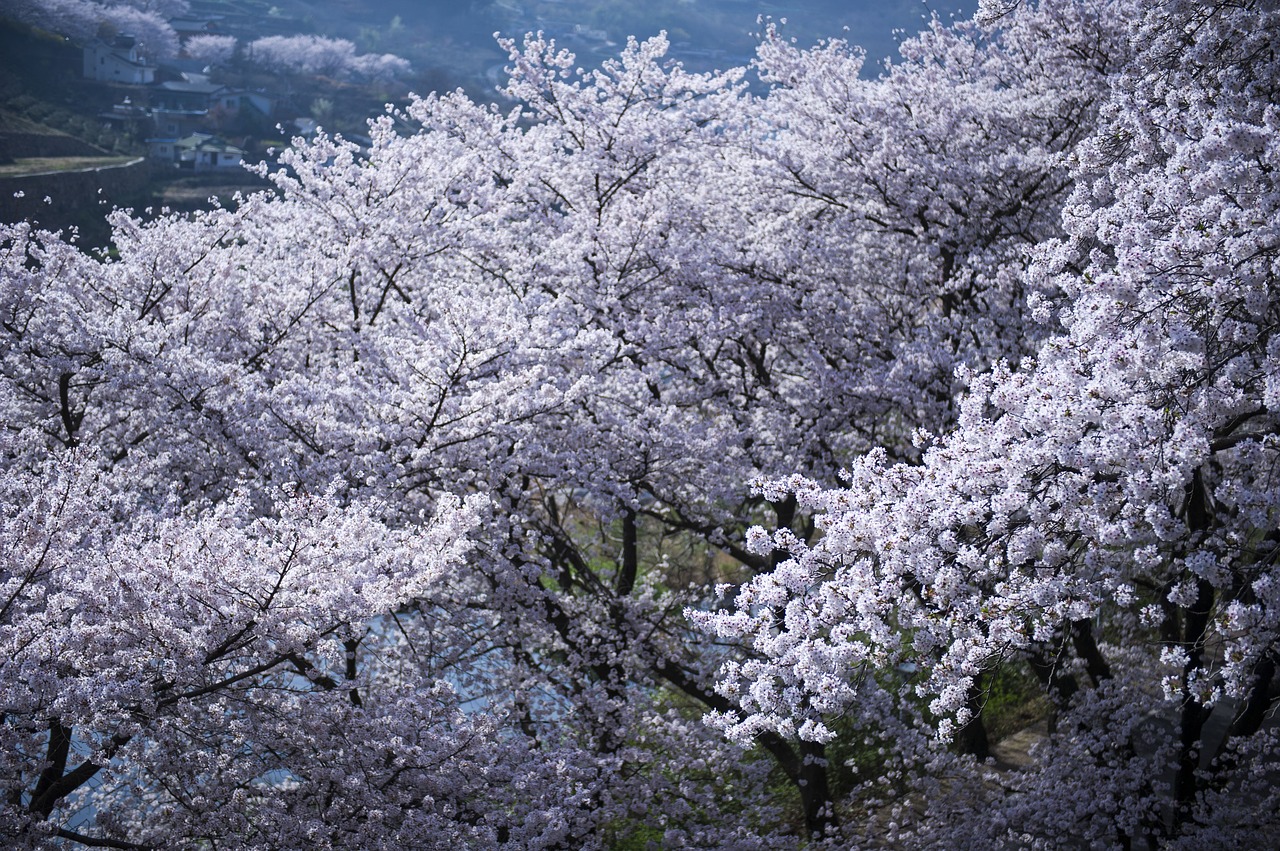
(331, 57)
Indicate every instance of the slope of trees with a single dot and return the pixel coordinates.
(434, 500)
(84, 20)
(1103, 511)
(316, 55)
(148, 22)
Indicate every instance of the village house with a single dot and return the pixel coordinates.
(199, 152)
(192, 95)
(180, 108)
(117, 61)
(209, 154)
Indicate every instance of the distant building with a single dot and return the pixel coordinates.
(125, 113)
(178, 109)
(177, 123)
(163, 150)
(117, 61)
(260, 101)
(197, 96)
(188, 27)
(202, 152)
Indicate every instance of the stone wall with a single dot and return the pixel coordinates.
(75, 197)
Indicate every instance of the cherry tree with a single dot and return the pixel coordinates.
(1101, 512)
(704, 320)
(84, 20)
(331, 57)
(210, 361)
(413, 464)
(379, 67)
(214, 49)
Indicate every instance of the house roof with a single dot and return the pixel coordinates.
(191, 88)
(208, 144)
(187, 69)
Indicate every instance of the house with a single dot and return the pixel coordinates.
(163, 150)
(195, 94)
(178, 123)
(178, 68)
(198, 95)
(125, 114)
(179, 108)
(200, 152)
(117, 61)
(259, 100)
(203, 152)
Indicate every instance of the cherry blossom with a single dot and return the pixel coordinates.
(1101, 510)
(331, 57)
(84, 20)
(214, 49)
(443, 494)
